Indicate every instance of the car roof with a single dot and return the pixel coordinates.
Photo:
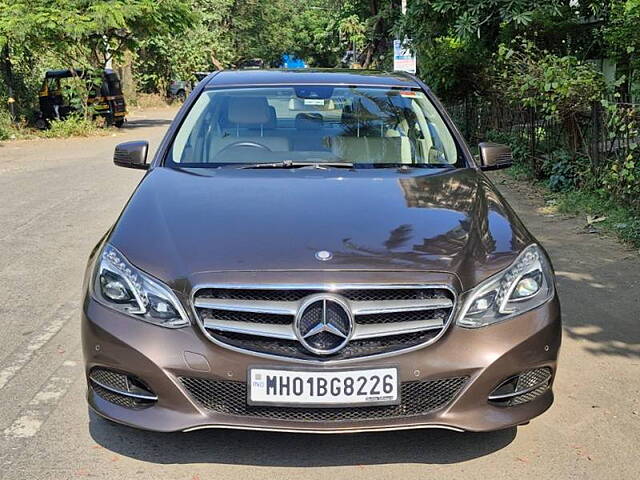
(227, 78)
(68, 73)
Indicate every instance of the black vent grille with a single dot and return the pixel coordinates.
(417, 398)
(355, 295)
(120, 389)
(116, 398)
(354, 349)
(254, 317)
(523, 388)
(408, 316)
(109, 378)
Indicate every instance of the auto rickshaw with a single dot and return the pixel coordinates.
(58, 99)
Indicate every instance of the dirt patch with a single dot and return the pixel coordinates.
(536, 199)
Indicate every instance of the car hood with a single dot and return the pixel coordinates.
(184, 222)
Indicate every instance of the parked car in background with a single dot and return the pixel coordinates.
(57, 98)
(199, 76)
(317, 251)
(251, 64)
(178, 90)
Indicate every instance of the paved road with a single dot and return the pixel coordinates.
(57, 197)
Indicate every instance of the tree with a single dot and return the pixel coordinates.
(101, 29)
(40, 34)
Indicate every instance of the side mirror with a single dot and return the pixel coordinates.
(132, 155)
(494, 156)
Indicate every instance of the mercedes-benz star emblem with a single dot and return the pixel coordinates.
(324, 255)
(323, 324)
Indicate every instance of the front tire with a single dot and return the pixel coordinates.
(41, 124)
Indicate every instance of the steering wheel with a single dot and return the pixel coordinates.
(243, 144)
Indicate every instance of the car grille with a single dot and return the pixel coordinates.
(417, 398)
(261, 320)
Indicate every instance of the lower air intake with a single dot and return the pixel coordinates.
(121, 389)
(522, 388)
(417, 398)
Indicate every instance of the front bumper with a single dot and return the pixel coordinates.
(159, 357)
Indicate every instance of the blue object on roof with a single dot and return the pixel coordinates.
(291, 61)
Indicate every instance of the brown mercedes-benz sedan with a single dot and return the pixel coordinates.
(318, 251)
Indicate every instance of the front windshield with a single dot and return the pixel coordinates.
(319, 124)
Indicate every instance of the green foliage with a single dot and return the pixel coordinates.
(469, 17)
(317, 36)
(72, 126)
(93, 30)
(620, 174)
(622, 179)
(6, 128)
(621, 31)
(559, 87)
(454, 68)
(37, 35)
(565, 171)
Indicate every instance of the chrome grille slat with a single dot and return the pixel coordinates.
(249, 328)
(286, 331)
(249, 316)
(393, 306)
(290, 308)
(255, 306)
(389, 329)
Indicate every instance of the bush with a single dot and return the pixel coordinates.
(73, 125)
(559, 87)
(563, 89)
(622, 179)
(565, 172)
(619, 174)
(6, 128)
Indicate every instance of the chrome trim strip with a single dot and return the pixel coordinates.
(291, 308)
(253, 306)
(138, 396)
(328, 287)
(286, 331)
(333, 431)
(393, 306)
(521, 392)
(387, 329)
(250, 328)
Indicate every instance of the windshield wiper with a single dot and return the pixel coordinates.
(291, 164)
(409, 166)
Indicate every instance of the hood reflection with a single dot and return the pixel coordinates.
(482, 230)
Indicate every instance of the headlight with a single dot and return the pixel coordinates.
(121, 286)
(525, 285)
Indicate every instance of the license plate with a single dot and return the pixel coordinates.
(290, 387)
